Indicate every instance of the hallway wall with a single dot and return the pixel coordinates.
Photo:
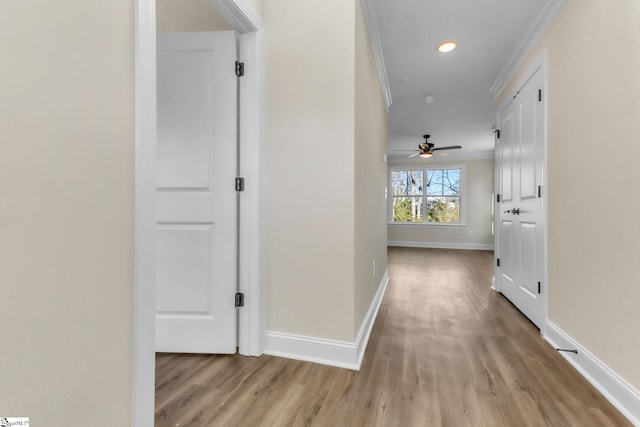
(188, 15)
(258, 6)
(593, 238)
(326, 137)
(66, 212)
(310, 167)
(370, 173)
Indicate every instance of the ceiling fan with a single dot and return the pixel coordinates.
(426, 149)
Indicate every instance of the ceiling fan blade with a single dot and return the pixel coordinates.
(404, 150)
(413, 155)
(423, 146)
(451, 147)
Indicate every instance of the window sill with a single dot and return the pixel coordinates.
(426, 225)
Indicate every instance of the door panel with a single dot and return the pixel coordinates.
(528, 258)
(185, 110)
(183, 256)
(196, 198)
(528, 158)
(507, 156)
(507, 260)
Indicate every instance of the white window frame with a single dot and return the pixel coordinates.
(425, 223)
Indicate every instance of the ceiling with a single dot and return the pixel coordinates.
(488, 33)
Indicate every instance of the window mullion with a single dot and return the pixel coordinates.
(424, 196)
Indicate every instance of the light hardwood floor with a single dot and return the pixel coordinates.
(445, 351)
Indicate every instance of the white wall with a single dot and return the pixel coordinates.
(326, 137)
(370, 174)
(310, 167)
(477, 202)
(258, 6)
(593, 133)
(66, 211)
(188, 15)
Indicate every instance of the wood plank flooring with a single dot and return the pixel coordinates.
(445, 351)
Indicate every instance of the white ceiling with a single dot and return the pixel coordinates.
(488, 33)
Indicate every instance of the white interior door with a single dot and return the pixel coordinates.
(195, 197)
(521, 228)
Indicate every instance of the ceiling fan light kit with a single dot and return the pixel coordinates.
(426, 149)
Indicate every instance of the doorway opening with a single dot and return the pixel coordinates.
(252, 318)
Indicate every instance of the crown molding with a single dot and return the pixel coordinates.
(376, 46)
(536, 29)
(240, 14)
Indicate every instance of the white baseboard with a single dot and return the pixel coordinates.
(362, 339)
(440, 245)
(617, 391)
(342, 354)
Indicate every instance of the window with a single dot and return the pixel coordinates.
(426, 196)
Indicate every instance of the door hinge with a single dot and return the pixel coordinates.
(239, 184)
(539, 95)
(539, 287)
(239, 299)
(539, 190)
(497, 132)
(498, 262)
(239, 68)
(497, 198)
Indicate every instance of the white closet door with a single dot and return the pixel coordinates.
(521, 231)
(196, 198)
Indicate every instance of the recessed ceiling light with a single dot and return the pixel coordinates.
(446, 46)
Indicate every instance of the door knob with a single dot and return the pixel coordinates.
(515, 211)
